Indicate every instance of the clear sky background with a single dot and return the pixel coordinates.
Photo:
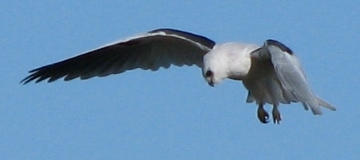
(174, 114)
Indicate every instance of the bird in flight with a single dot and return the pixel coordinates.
(271, 73)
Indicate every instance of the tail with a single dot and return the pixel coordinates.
(315, 106)
(325, 104)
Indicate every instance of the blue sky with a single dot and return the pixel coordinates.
(174, 114)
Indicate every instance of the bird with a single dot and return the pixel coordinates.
(271, 72)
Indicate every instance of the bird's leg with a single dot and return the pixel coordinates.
(276, 114)
(262, 114)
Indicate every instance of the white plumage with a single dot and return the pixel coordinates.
(271, 73)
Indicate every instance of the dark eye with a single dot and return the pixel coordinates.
(209, 74)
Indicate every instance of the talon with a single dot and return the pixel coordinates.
(263, 115)
(276, 115)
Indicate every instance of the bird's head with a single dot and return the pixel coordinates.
(214, 69)
(228, 60)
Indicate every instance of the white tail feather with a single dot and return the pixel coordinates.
(325, 104)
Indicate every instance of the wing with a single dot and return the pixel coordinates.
(150, 51)
(291, 78)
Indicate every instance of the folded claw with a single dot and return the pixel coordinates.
(276, 115)
(263, 115)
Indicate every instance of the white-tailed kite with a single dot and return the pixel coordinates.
(271, 73)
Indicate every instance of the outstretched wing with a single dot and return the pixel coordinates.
(155, 49)
(293, 83)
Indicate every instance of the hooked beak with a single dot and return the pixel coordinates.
(211, 83)
(209, 76)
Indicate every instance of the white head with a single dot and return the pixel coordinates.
(215, 66)
(229, 60)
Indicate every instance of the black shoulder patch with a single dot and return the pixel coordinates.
(197, 38)
(280, 45)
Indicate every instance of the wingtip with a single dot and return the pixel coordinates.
(26, 80)
(22, 82)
